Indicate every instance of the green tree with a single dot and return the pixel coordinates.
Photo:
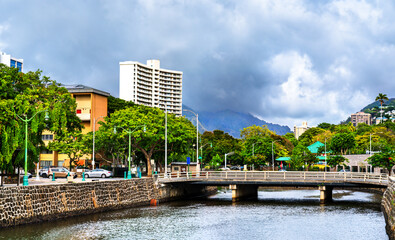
(180, 132)
(215, 162)
(300, 156)
(26, 94)
(336, 160)
(73, 145)
(221, 143)
(384, 159)
(114, 104)
(291, 138)
(324, 125)
(342, 142)
(381, 98)
(307, 137)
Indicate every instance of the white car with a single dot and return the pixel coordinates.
(98, 173)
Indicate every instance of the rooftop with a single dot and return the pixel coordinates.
(78, 88)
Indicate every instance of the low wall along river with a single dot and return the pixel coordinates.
(20, 205)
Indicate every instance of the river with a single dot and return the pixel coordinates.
(276, 214)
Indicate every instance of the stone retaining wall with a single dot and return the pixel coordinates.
(388, 208)
(20, 205)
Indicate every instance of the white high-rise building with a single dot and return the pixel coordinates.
(151, 85)
(11, 62)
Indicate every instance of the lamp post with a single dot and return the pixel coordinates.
(26, 120)
(325, 157)
(228, 154)
(370, 147)
(273, 153)
(94, 129)
(201, 148)
(165, 139)
(197, 136)
(130, 143)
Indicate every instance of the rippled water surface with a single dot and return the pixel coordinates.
(290, 214)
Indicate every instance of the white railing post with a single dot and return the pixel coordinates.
(304, 175)
(264, 175)
(324, 176)
(245, 175)
(226, 175)
(206, 175)
(178, 174)
(284, 175)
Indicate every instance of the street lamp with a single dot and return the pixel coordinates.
(197, 136)
(325, 157)
(94, 129)
(165, 139)
(201, 148)
(26, 121)
(228, 154)
(130, 143)
(273, 153)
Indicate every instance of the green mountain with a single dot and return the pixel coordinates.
(231, 122)
(374, 108)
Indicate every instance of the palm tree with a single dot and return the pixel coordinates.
(381, 97)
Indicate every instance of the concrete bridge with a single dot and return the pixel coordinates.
(245, 184)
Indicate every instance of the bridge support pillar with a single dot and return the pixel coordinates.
(240, 192)
(325, 194)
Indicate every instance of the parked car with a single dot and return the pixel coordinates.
(224, 169)
(235, 168)
(98, 172)
(22, 173)
(282, 170)
(59, 172)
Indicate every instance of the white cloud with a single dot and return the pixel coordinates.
(302, 60)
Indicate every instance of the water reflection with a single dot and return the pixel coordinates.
(276, 214)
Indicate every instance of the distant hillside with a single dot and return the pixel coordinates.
(232, 122)
(389, 102)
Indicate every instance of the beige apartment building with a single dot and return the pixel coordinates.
(361, 117)
(91, 108)
(150, 85)
(300, 130)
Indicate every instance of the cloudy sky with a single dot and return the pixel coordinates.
(283, 61)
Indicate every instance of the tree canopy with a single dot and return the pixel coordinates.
(28, 95)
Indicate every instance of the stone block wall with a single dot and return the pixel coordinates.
(27, 204)
(388, 208)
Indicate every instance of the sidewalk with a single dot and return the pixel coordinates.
(48, 181)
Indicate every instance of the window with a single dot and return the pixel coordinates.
(47, 137)
(176, 169)
(45, 163)
(46, 151)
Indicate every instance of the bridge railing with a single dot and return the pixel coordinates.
(274, 175)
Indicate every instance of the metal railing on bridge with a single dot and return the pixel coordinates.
(273, 175)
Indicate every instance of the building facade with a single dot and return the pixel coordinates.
(300, 130)
(361, 117)
(151, 85)
(91, 108)
(10, 61)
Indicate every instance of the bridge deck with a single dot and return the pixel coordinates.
(270, 178)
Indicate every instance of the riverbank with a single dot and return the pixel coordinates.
(36, 203)
(388, 208)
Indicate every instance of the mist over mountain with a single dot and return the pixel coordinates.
(231, 122)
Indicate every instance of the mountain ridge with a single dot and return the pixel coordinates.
(232, 121)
